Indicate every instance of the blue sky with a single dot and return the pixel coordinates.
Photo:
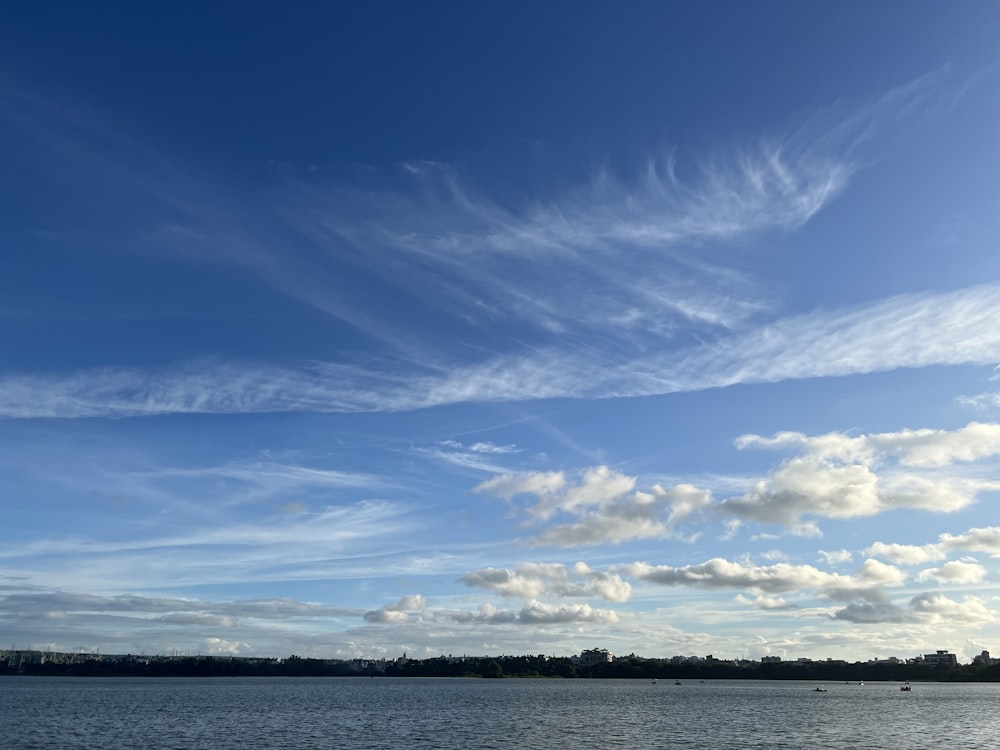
(487, 328)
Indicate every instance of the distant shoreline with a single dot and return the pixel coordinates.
(523, 667)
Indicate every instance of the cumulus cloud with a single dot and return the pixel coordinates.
(761, 587)
(763, 602)
(955, 571)
(975, 540)
(533, 580)
(875, 572)
(220, 646)
(907, 554)
(985, 540)
(850, 476)
(872, 612)
(874, 606)
(535, 612)
(601, 506)
(525, 583)
(925, 447)
(538, 613)
(718, 573)
(937, 608)
(511, 485)
(397, 612)
(835, 557)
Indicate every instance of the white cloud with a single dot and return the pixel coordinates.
(871, 612)
(488, 447)
(973, 442)
(603, 506)
(801, 487)
(468, 457)
(835, 557)
(975, 540)
(763, 602)
(281, 547)
(954, 328)
(907, 554)
(533, 580)
(537, 613)
(760, 587)
(723, 574)
(219, 646)
(508, 582)
(616, 246)
(985, 540)
(843, 476)
(397, 612)
(955, 571)
(511, 485)
(937, 608)
(620, 248)
(131, 623)
(878, 573)
(983, 401)
(833, 476)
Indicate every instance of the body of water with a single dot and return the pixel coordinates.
(458, 714)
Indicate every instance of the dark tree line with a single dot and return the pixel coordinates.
(505, 666)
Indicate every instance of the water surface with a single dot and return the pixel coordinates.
(458, 714)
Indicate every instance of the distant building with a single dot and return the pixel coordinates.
(941, 659)
(770, 660)
(593, 656)
(984, 659)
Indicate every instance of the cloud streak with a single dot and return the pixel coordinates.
(955, 328)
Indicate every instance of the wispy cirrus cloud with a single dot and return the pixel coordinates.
(608, 256)
(316, 545)
(622, 256)
(61, 620)
(954, 328)
(636, 255)
(479, 456)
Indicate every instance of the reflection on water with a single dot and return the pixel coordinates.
(231, 714)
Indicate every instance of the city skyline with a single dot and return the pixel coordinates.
(353, 330)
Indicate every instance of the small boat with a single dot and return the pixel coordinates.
(905, 688)
(678, 682)
(820, 689)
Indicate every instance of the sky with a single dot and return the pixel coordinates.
(360, 329)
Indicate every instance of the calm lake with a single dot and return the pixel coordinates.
(453, 714)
